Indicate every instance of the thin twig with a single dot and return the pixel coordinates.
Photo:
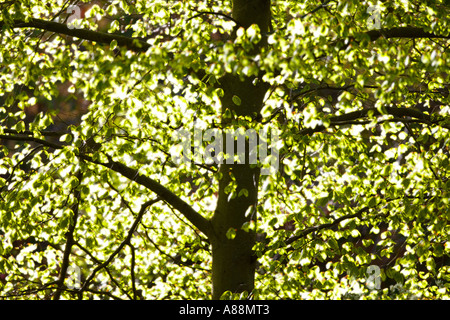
(125, 242)
(200, 13)
(133, 264)
(70, 239)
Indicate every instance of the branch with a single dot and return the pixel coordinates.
(403, 32)
(133, 44)
(133, 277)
(24, 161)
(348, 118)
(335, 222)
(111, 277)
(200, 13)
(126, 241)
(398, 32)
(188, 212)
(70, 240)
(30, 133)
(399, 112)
(323, 5)
(30, 139)
(193, 216)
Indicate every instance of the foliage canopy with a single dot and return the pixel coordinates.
(93, 205)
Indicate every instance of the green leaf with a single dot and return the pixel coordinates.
(66, 138)
(236, 100)
(243, 192)
(113, 44)
(231, 233)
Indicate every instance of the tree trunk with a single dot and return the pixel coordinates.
(233, 266)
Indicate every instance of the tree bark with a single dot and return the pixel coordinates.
(233, 266)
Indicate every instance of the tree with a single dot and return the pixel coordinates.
(110, 187)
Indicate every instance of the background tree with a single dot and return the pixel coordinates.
(93, 204)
